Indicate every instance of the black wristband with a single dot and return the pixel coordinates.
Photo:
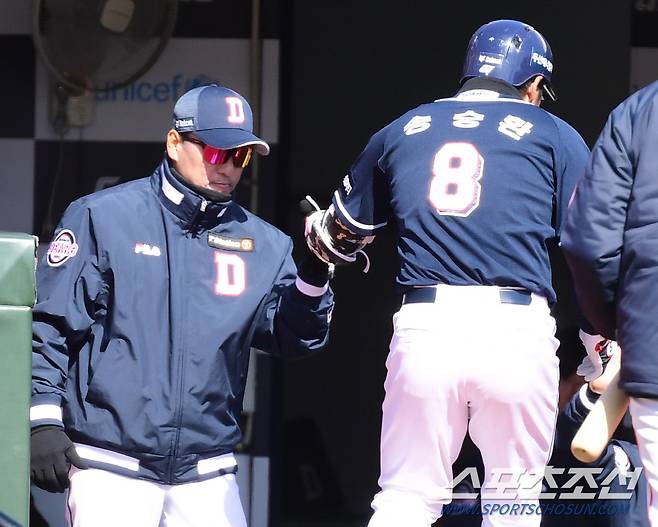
(591, 395)
(313, 271)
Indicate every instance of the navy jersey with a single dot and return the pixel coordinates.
(478, 185)
(611, 238)
(149, 300)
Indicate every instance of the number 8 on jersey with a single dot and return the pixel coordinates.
(455, 188)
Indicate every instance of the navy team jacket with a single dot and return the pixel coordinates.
(611, 238)
(149, 300)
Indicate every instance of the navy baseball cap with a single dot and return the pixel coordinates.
(219, 117)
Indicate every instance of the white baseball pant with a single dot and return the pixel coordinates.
(466, 361)
(645, 423)
(98, 498)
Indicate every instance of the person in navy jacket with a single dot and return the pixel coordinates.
(150, 296)
(611, 244)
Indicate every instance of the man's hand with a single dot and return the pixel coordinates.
(599, 351)
(52, 456)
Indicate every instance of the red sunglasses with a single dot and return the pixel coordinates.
(218, 156)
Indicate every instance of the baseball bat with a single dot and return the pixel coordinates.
(597, 428)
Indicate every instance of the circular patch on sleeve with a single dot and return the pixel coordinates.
(62, 248)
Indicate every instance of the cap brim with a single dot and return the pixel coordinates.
(232, 138)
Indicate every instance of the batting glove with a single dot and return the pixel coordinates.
(312, 269)
(53, 453)
(599, 350)
(330, 240)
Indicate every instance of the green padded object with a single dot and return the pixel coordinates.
(15, 380)
(17, 296)
(17, 266)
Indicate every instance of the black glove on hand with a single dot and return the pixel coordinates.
(312, 270)
(52, 455)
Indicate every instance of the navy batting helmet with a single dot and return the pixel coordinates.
(509, 50)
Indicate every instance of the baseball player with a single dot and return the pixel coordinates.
(149, 299)
(610, 244)
(478, 186)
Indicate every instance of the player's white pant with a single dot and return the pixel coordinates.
(645, 424)
(466, 361)
(98, 498)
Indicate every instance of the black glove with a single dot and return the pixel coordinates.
(314, 271)
(52, 456)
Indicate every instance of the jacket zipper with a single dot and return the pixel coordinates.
(181, 385)
(181, 356)
(192, 228)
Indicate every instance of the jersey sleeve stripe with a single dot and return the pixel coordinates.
(352, 221)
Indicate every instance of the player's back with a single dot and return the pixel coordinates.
(478, 186)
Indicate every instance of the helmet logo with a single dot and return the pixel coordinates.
(542, 61)
(489, 62)
(489, 59)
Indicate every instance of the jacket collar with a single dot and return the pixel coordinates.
(194, 211)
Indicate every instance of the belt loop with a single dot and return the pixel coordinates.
(520, 297)
(420, 295)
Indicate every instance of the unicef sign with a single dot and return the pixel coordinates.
(164, 91)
